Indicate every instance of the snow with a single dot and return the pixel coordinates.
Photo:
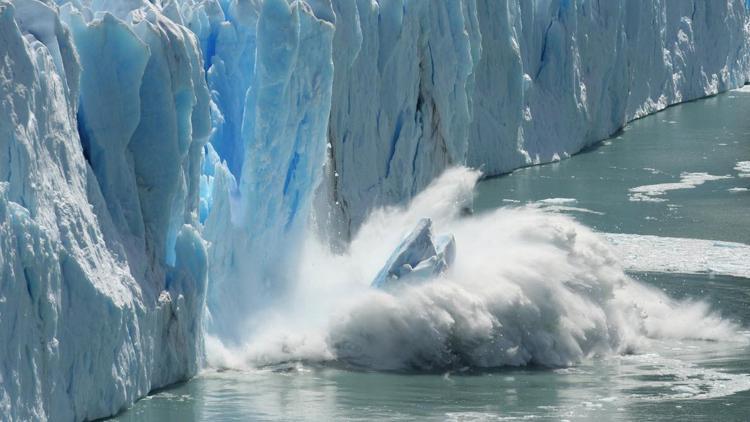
(419, 256)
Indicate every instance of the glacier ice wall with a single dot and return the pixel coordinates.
(103, 269)
(499, 85)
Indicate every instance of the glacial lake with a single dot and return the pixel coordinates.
(678, 174)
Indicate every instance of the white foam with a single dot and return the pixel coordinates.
(745, 89)
(678, 255)
(527, 286)
(560, 205)
(653, 193)
(558, 201)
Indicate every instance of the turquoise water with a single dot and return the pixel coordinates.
(674, 380)
(707, 136)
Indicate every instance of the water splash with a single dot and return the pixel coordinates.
(527, 287)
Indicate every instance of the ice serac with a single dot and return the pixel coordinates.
(498, 85)
(102, 270)
(420, 256)
(267, 168)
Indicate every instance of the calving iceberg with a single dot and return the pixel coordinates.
(419, 256)
(161, 158)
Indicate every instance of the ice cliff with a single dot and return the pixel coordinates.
(502, 84)
(103, 270)
(158, 154)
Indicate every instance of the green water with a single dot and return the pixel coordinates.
(707, 136)
(675, 380)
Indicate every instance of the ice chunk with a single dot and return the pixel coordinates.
(419, 256)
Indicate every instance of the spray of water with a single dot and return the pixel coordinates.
(527, 287)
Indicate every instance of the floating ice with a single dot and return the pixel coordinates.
(743, 168)
(677, 255)
(107, 106)
(420, 256)
(561, 205)
(654, 193)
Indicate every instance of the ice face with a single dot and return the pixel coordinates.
(502, 84)
(259, 215)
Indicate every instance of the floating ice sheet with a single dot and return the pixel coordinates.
(678, 255)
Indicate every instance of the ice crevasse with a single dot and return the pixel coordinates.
(159, 159)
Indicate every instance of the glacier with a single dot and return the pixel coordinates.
(162, 162)
(103, 266)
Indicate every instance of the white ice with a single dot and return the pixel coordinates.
(656, 193)
(680, 255)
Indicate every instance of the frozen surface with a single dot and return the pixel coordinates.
(386, 95)
(656, 193)
(260, 214)
(502, 84)
(743, 169)
(690, 256)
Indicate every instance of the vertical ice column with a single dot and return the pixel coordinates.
(256, 225)
(143, 120)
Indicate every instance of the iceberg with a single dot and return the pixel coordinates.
(420, 256)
